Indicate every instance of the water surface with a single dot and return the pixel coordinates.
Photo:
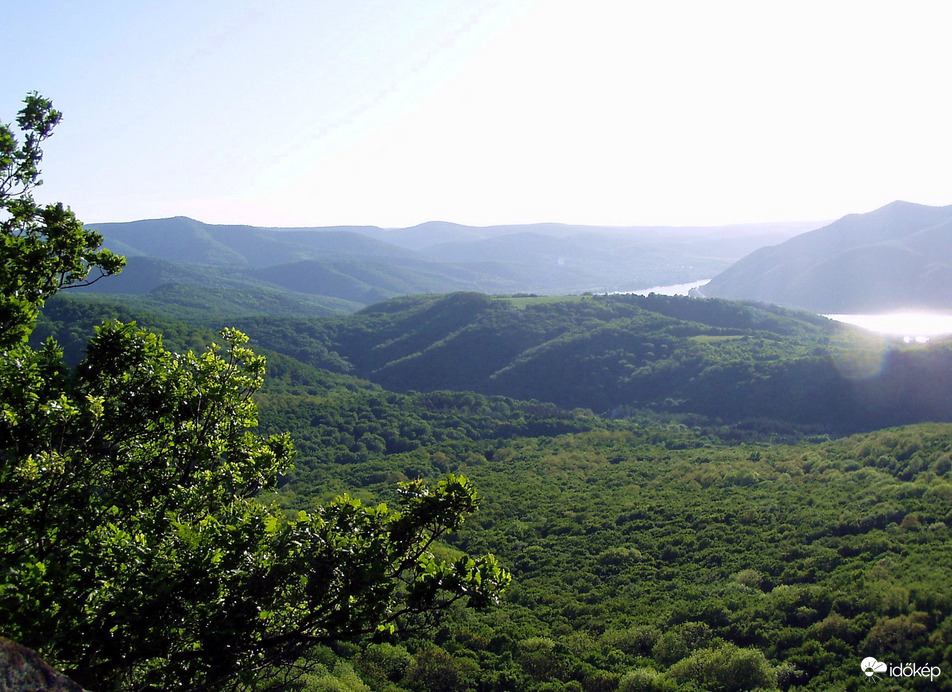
(911, 326)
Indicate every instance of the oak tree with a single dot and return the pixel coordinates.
(136, 549)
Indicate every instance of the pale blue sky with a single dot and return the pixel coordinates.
(389, 112)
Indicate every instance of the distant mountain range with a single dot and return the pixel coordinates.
(896, 257)
(333, 269)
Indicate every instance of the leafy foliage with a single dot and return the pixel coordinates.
(136, 547)
(44, 247)
(713, 362)
(657, 559)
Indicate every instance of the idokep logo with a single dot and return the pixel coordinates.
(871, 667)
(877, 669)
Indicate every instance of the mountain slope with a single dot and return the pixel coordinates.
(362, 264)
(728, 361)
(369, 280)
(181, 239)
(896, 257)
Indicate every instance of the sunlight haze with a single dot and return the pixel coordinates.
(297, 113)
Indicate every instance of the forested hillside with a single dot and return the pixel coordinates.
(733, 363)
(649, 552)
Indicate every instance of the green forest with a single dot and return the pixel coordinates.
(459, 492)
(769, 542)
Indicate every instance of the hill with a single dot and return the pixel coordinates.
(190, 291)
(740, 364)
(751, 367)
(896, 257)
(345, 267)
(180, 239)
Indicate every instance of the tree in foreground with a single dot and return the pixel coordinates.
(134, 551)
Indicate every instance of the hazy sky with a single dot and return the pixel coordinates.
(394, 112)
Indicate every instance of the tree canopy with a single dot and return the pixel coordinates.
(45, 248)
(137, 549)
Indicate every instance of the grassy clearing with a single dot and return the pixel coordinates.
(716, 338)
(522, 302)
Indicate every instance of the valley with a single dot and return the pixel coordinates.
(688, 493)
(667, 478)
(482, 346)
(323, 271)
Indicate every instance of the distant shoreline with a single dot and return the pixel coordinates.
(669, 290)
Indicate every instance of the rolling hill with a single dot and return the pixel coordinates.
(733, 362)
(346, 267)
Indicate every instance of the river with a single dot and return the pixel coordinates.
(672, 290)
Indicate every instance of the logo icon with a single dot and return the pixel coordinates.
(871, 666)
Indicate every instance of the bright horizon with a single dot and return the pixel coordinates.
(481, 112)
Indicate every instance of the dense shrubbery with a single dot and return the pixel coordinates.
(639, 564)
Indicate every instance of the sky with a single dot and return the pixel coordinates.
(481, 112)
